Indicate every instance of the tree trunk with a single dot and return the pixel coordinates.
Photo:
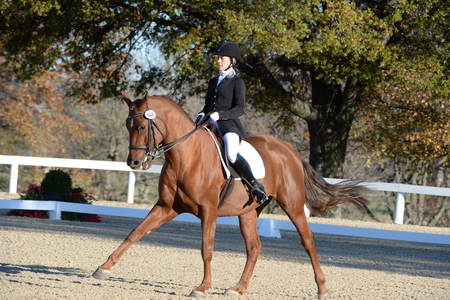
(328, 144)
(329, 129)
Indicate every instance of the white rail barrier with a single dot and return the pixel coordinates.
(266, 227)
(16, 161)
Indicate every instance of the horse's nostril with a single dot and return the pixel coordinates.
(135, 162)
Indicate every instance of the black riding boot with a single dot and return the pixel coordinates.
(243, 168)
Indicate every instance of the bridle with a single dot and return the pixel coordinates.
(156, 150)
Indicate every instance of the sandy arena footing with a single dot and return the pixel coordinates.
(43, 259)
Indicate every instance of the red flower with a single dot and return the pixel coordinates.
(78, 196)
(92, 218)
(33, 188)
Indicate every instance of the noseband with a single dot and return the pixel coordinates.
(157, 149)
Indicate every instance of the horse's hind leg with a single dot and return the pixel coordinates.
(157, 216)
(249, 232)
(296, 213)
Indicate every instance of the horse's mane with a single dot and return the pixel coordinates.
(168, 102)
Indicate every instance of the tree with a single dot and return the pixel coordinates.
(408, 116)
(37, 118)
(34, 114)
(406, 123)
(312, 59)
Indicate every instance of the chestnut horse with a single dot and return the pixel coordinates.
(192, 178)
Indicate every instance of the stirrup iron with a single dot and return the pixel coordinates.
(259, 192)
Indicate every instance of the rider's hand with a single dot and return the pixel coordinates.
(199, 118)
(214, 116)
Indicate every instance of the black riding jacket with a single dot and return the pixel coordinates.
(228, 99)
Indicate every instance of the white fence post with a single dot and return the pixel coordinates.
(399, 208)
(14, 175)
(56, 213)
(131, 184)
(268, 228)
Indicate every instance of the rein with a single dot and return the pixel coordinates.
(157, 150)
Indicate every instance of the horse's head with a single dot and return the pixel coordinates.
(145, 133)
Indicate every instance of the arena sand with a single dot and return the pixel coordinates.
(43, 259)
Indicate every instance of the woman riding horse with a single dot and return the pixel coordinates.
(159, 125)
(224, 104)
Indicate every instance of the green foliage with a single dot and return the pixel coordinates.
(408, 116)
(337, 41)
(56, 181)
(333, 39)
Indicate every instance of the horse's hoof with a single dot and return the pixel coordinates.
(327, 295)
(231, 292)
(197, 294)
(101, 274)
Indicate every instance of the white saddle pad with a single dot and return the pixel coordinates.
(249, 153)
(253, 158)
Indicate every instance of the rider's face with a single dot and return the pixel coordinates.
(223, 62)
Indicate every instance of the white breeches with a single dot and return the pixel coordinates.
(232, 145)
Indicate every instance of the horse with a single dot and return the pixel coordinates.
(192, 179)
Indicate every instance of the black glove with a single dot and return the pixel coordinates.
(200, 118)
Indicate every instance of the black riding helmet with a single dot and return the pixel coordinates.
(229, 49)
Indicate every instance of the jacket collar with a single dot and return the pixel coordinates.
(227, 73)
(227, 77)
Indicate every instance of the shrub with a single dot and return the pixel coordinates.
(56, 185)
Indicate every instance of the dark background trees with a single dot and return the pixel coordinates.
(311, 59)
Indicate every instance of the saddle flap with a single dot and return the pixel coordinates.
(248, 152)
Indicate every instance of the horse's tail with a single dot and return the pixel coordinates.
(321, 195)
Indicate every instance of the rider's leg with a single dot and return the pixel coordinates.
(243, 168)
(232, 144)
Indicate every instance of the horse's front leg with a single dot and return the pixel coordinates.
(249, 231)
(156, 217)
(208, 216)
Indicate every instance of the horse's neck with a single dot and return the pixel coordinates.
(196, 149)
(177, 128)
(199, 148)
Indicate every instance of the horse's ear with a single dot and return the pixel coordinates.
(146, 95)
(126, 98)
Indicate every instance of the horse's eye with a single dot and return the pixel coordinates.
(141, 127)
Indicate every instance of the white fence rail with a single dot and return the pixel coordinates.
(266, 227)
(16, 161)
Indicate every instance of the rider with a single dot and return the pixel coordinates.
(224, 104)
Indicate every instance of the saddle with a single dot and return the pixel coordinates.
(249, 153)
